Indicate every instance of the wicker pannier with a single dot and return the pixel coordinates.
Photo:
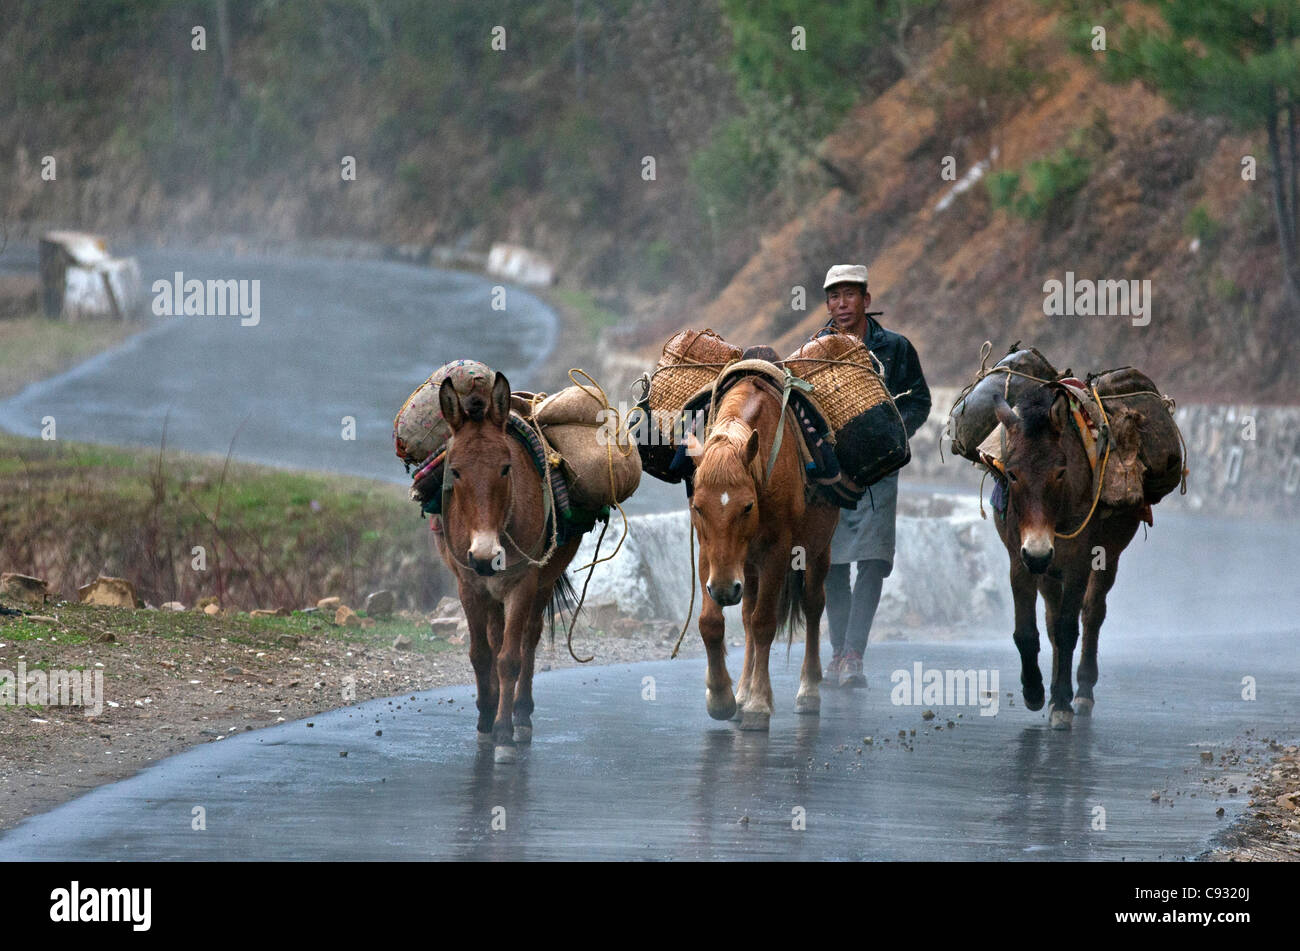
(691, 361)
(870, 439)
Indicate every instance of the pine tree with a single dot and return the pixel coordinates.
(1239, 59)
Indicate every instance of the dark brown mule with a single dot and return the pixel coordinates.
(494, 531)
(1049, 494)
(755, 533)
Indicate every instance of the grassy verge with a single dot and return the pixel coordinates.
(181, 527)
(34, 347)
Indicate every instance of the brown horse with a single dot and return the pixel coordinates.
(1049, 495)
(494, 534)
(756, 534)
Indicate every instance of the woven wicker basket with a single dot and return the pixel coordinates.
(843, 374)
(691, 360)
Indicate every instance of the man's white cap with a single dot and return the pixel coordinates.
(841, 273)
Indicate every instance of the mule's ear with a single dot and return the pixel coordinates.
(751, 446)
(449, 403)
(1059, 413)
(499, 408)
(1006, 415)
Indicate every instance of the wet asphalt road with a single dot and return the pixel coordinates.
(334, 338)
(614, 775)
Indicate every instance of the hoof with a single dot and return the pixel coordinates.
(1083, 706)
(523, 734)
(1033, 698)
(810, 704)
(756, 722)
(1061, 719)
(504, 754)
(722, 705)
(484, 739)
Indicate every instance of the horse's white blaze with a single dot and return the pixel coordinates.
(725, 499)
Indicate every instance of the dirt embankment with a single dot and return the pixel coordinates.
(1164, 201)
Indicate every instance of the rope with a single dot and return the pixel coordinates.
(1171, 405)
(690, 527)
(1098, 477)
(590, 567)
(791, 382)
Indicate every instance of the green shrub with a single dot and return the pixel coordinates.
(1199, 224)
(1048, 185)
(734, 169)
(1002, 187)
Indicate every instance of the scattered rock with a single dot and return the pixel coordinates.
(269, 612)
(402, 643)
(173, 606)
(927, 715)
(381, 604)
(108, 592)
(23, 588)
(1207, 756)
(367, 623)
(346, 617)
(444, 626)
(204, 602)
(211, 610)
(326, 604)
(449, 607)
(42, 618)
(289, 640)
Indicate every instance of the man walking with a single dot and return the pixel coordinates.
(865, 536)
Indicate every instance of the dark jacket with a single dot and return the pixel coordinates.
(903, 376)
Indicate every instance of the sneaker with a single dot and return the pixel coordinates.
(851, 670)
(831, 675)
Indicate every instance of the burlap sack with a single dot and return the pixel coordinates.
(1131, 395)
(419, 429)
(599, 461)
(1122, 485)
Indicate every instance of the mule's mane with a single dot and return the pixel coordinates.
(722, 463)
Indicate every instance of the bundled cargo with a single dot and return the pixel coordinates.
(419, 431)
(691, 361)
(600, 464)
(870, 438)
(1143, 432)
(972, 417)
(580, 433)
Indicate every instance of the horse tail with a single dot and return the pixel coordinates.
(789, 612)
(563, 601)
